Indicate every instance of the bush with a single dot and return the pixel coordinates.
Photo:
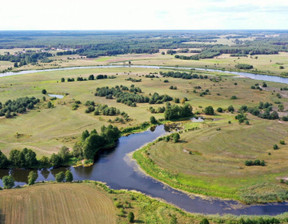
(153, 120)
(209, 110)
(244, 66)
(282, 142)
(60, 177)
(32, 177)
(275, 147)
(131, 217)
(8, 182)
(233, 97)
(231, 109)
(219, 109)
(68, 176)
(204, 221)
(44, 91)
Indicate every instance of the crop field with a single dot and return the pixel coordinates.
(57, 203)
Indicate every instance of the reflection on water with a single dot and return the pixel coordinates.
(55, 95)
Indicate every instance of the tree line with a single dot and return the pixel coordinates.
(130, 96)
(182, 75)
(10, 108)
(91, 77)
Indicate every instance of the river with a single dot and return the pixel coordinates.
(248, 75)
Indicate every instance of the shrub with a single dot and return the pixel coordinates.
(209, 110)
(60, 177)
(131, 217)
(282, 142)
(219, 109)
(44, 91)
(8, 182)
(32, 177)
(275, 147)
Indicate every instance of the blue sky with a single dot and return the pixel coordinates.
(138, 15)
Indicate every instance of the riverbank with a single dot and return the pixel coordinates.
(181, 165)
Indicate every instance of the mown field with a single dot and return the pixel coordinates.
(92, 202)
(57, 203)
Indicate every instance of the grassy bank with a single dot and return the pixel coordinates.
(210, 160)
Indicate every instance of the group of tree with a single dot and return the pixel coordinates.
(173, 112)
(183, 75)
(11, 107)
(90, 77)
(174, 137)
(27, 158)
(263, 110)
(105, 110)
(133, 80)
(256, 162)
(241, 117)
(157, 110)
(26, 58)
(130, 96)
(64, 176)
(244, 66)
(91, 143)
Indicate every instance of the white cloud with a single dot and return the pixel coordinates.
(149, 14)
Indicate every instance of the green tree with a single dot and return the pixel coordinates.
(32, 177)
(15, 158)
(60, 177)
(176, 137)
(3, 161)
(62, 79)
(85, 134)
(153, 120)
(55, 160)
(231, 109)
(8, 182)
(219, 109)
(64, 153)
(44, 91)
(68, 176)
(91, 146)
(204, 221)
(131, 217)
(50, 105)
(209, 110)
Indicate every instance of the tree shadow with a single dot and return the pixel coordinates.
(138, 221)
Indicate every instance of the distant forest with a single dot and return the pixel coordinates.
(93, 44)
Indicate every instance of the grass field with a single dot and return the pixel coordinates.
(211, 160)
(266, 64)
(47, 130)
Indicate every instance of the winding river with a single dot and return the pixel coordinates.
(248, 75)
(119, 171)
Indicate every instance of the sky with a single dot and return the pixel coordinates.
(143, 15)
